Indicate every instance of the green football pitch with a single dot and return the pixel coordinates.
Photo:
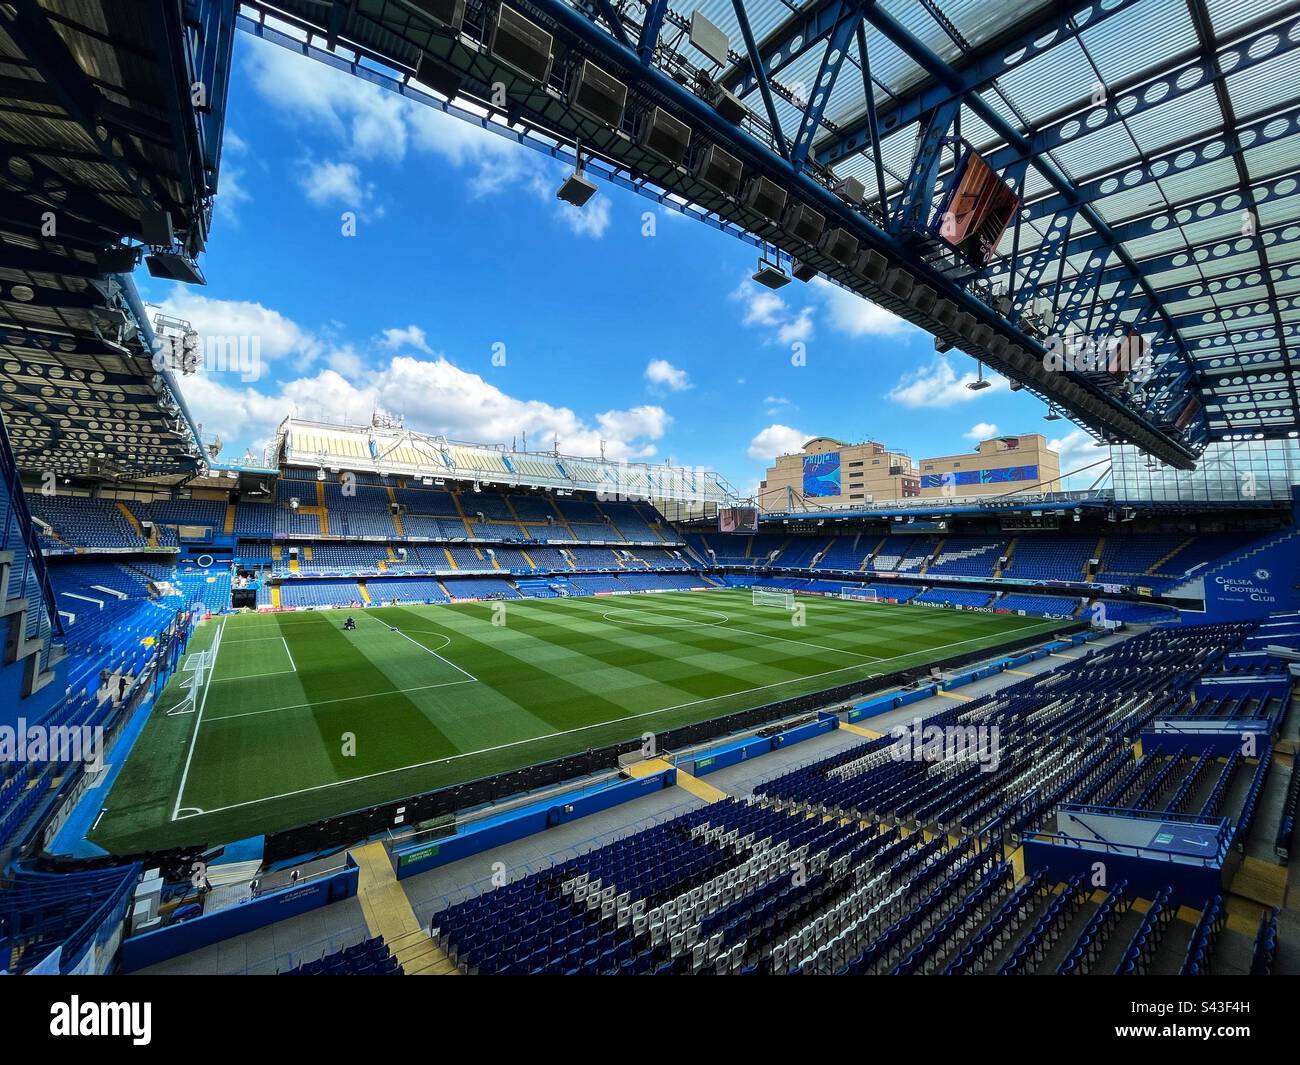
(295, 718)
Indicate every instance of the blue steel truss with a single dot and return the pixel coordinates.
(1151, 143)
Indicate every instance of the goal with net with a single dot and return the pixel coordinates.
(773, 597)
(867, 594)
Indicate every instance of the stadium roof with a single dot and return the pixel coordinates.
(1152, 143)
(393, 449)
(103, 155)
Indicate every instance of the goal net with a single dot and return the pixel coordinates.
(196, 669)
(867, 594)
(773, 597)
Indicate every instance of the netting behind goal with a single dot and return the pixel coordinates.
(865, 594)
(773, 597)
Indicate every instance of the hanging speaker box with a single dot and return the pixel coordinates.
(448, 12)
(719, 170)
(840, 245)
(521, 44)
(803, 223)
(766, 197)
(664, 136)
(597, 95)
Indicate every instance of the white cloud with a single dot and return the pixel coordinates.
(277, 337)
(800, 328)
(856, 315)
(371, 121)
(372, 124)
(982, 431)
(589, 221)
(435, 395)
(333, 182)
(664, 373)
(763, 307)
(939, 386)
(776, 440)
(410, 337)
(1077, 450)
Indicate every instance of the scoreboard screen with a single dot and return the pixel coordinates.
(977, 210)
(738, 520)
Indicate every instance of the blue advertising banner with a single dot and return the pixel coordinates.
(967, 477)
(821, 474)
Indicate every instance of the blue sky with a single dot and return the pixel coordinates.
(658, 345)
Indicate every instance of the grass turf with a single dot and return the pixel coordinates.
(300, 719)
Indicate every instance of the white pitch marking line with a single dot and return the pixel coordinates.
(530, 739)
(421, 646)
(292, 667)
(257, 676)
(198, 720)
(345, 699)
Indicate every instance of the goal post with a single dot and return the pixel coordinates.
(863, 594)
(778, 597)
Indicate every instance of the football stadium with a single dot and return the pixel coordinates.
(316, 664)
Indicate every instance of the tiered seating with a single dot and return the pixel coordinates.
(479, 588)
(85, 594)
(371, 957)
(255, 520)
(209, 587)
(845, 553)
(1136, 613)
(1060, 558)
(968, 556)
(1265, 953)
(702, 891)
(408, 590)
(41, 913)
(81, 522)
(902, 554)
(319, 593)
(1043, 605)
(1200, 948)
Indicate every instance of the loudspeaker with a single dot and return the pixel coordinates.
(576, 190)
(852, 190)
(597, 95)
(719, 170)
(448, 12)
(898, 282)
(840, 245)
(803, 271)
(118, 260)
(174, 267)
(871, 265)
(438, 77)
(803, 223)
(521, 44)
(922, 298)
(766, 197)
(664, 135)
(156, 227)
(727, 105)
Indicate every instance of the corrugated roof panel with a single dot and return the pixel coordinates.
(1227, 15)
(1139, 38)
(1176, 120)
(1265, 87)
(1038, 87)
